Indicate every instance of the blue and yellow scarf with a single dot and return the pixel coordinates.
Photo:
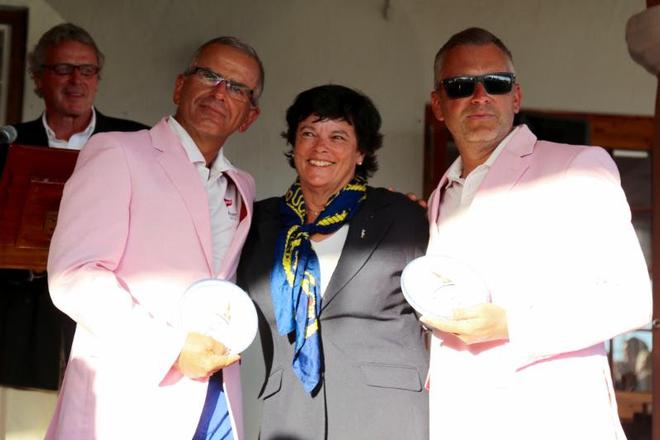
(295, 281)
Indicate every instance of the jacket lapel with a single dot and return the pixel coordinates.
(509, 167)
(269, 223)
(185, 179)
(433, 210)
(101, 123)
(246, 200)
(366, 231)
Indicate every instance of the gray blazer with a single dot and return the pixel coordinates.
(374, 358)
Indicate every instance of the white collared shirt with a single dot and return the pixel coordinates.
(222, 194)
(76, 141)
(458, 192)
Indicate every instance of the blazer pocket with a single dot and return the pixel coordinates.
(273, 385)
(401, 377)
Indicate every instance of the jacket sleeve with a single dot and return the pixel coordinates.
(87, 248)
(596, 284)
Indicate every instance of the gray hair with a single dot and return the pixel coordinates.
(242, 47)
(53, 37)
(56, 35)
(472, 36)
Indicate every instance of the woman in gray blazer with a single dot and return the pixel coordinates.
(344, 352)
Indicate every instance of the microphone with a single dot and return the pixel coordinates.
(8, 134)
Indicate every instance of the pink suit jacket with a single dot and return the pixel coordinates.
(133, 233)
(549, 232)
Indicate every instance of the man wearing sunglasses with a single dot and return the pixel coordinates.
(547, 228)
(65, 66)
(143, 217)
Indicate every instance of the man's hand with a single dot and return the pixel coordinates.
(480, 323)
(201, 356)
(412, 196)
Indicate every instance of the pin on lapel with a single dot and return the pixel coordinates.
(362, 233)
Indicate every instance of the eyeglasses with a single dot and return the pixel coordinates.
(235, 90)
(499, 83)
(67, 69)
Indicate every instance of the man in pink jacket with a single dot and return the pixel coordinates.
(547, 228)
(144, 216)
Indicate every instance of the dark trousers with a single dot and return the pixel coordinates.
(35, 337)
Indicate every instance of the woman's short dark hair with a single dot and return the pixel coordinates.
(337, 102)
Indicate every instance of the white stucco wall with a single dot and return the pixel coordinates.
(570, 55)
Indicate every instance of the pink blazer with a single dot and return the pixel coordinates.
(133, 233)
(549, 232)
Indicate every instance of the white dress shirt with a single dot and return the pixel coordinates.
(458, 192)
(76, 141)
(224, 202)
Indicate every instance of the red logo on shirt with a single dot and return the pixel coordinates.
(229, 202)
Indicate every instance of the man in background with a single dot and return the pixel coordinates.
(66, 68)
(35, 338)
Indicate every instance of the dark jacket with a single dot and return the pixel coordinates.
(374, 358)
(34, 133)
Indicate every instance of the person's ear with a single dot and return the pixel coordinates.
(250, 118)
(178, 86)
(436, 106)
(517, 97)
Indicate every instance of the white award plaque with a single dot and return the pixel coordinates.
(221, 310)
(435, 285)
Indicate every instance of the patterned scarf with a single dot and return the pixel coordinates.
(295, 281)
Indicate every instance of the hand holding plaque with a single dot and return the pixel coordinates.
(435, 285)
(221, 310)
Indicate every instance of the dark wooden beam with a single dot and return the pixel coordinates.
(655, 265)
(655, 269)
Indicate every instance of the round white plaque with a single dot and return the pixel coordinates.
(435, 285)
(221, 310)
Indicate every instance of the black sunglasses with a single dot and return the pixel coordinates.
(499, 83)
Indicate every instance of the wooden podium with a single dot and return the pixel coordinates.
(30, 191)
